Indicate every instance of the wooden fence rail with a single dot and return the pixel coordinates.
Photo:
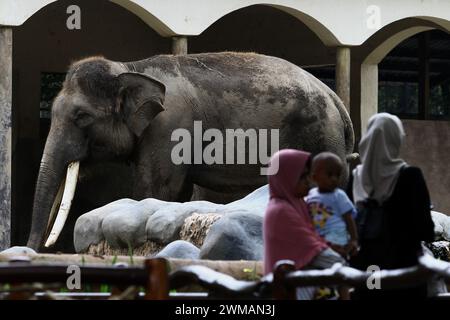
(153, 277)
(216, 283)
(157, 281)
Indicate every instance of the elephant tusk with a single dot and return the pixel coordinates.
(54, 210)
(67, 197)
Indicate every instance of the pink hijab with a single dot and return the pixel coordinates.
(288, 230)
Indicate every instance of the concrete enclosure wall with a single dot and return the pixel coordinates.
(427, 146)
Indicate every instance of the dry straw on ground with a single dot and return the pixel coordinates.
(196, 227)
(104, 249)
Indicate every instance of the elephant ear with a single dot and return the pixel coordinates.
(140, 99)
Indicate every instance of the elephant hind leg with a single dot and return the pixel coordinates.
(316, 128)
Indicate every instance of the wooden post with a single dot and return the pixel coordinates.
(280, 289)
(5, 135)
(343, 75)
(158, 279)
(179, 45)
(424, 76)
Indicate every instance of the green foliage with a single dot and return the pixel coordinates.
(130, 253)
(104, 288)
(402, 98)
(440, 99)
(251, 274)
(398, 98)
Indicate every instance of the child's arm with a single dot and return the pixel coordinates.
(352, 246)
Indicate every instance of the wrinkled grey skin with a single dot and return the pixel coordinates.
(128, 111)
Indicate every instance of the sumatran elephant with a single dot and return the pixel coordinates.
(129, 111)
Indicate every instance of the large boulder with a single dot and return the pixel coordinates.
(88, 229)
(234, 229)
(441, 225)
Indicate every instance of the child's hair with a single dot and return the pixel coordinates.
(327, 156)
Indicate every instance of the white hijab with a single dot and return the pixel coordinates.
(379, 150)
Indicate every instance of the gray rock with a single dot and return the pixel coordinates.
(19, 251)
(237, 235)
(234, 237)
(255, 202)
(179, 249)
(164, 226)
(441, 225)
(126, 227)
(88, 227)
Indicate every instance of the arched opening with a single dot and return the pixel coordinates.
(404, 70)
(365, 66)
(44, 47)
(414, 82)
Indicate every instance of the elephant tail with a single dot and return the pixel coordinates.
(349, 134)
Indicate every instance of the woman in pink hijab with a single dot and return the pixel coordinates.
(288, 230)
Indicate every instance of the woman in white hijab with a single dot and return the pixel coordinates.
(402, 193)
(379, 149)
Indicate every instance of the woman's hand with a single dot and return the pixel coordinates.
(339, 249)
(352, 248)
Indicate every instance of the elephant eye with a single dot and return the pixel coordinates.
(83, 119)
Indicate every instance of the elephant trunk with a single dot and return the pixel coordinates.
(51, 185)
(51, 174)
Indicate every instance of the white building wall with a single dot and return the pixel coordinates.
(337, 22)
